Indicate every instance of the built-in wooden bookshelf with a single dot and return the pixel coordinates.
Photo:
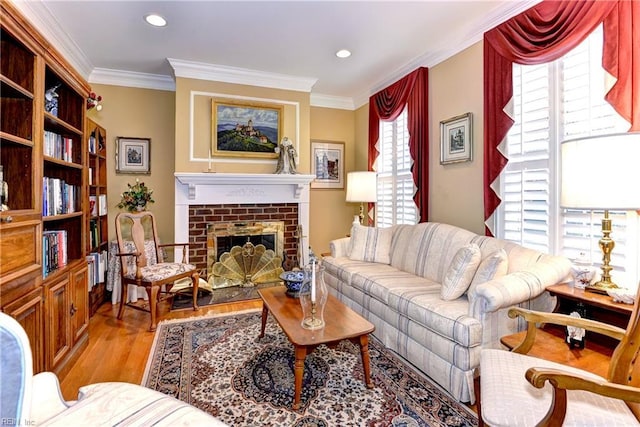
(43, 268)
(98, 228)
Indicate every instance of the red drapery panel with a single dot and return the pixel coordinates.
(542, 34)
(387, 105)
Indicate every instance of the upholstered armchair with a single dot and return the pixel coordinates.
(35, 400)
(519, 390)
(136, 268)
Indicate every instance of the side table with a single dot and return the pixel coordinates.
(598, 306)
(550, 341)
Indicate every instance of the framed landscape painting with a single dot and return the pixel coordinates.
(327, 164)
(245, 130)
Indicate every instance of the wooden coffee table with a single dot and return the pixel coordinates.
(341, 323)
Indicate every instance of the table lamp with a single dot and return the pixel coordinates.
(362, 188)
(601, 173)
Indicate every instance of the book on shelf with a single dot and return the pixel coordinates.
(97, 268)
(54, 251)
(93, 206)
(90, 176)
(58, 146)
(94, 233)
(102, 204)
(58, 197)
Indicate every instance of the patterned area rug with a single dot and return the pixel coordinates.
(220, 366)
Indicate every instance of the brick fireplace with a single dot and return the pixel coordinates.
(202, 217)
(203, 198)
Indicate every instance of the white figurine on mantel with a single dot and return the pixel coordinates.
(286, 157)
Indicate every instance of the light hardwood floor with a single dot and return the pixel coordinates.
(118, 349)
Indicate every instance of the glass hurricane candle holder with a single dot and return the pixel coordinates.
(313, 297)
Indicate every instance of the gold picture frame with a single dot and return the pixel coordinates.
(249, 130)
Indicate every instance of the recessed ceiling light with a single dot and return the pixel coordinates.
(343, 53)
(155, 20)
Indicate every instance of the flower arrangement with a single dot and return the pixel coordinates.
(136, 198)
(93, 101)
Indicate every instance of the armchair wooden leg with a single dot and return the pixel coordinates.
(195, 281)
(153, 306)
(476, 391)
(123, 299)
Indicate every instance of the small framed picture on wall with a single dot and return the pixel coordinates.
(456, 139)
(133, 155)
(327, 164)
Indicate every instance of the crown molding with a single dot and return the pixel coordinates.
(44, 21)
(221, 73)
(331, 101)
(498, 16)
(132, 79)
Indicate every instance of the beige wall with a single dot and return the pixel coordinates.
(331, 216)
(141, 113)
(455, 87)
(455, 190)
(193, 124)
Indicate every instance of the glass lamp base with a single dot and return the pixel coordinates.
(312, 323)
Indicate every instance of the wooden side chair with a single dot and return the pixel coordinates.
(520, 390)
(136, 268)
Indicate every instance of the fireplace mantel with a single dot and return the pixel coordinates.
(251, 181)
(235, 188)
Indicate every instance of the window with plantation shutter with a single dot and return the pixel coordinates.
(395, 203)
(552, 103)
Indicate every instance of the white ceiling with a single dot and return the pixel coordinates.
(265, 42)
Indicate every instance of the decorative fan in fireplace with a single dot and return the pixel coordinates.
(247, 266)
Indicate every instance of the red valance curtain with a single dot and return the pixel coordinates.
(542, 34)
(387, 105)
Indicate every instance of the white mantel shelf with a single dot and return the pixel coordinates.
(215, 188)
(194, 179)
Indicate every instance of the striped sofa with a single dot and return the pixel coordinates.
(394, 277)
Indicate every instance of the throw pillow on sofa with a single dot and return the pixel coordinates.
(370, 244)
(493, 266)
(460, 272)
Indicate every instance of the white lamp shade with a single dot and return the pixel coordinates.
(601, 172)
(362, 187)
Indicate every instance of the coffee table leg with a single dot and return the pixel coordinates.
(364, 352)
(301, 354)
(265, 313)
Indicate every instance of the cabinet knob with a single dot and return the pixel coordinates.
(73, 309)
(6, 219)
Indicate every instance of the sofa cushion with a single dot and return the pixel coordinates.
(370, 244)
(426, 249)
(407, 297)
(460, 273)
(493, 266)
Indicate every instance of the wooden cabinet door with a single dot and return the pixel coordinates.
(58, 301)
(79, 310)
(29, 312)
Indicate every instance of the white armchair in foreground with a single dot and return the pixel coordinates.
(35, 400)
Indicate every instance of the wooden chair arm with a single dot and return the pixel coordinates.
(136, 255)
(562, 381)
(172, 244)
(184, 249)
(535, 317)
